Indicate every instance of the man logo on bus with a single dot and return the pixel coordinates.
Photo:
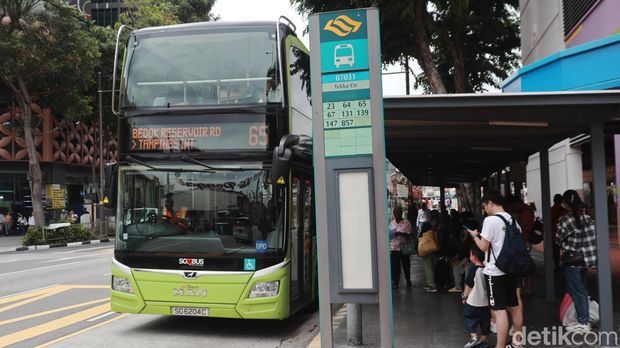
(342, 25)
(191, 262)
(343, 55)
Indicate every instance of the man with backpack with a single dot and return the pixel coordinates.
(506, 258)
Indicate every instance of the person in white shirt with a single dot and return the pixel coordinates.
(423, 216)
(501, 287)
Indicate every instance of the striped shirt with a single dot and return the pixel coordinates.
(581, 240)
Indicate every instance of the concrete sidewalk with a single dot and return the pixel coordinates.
(10, 243)
(424, 319)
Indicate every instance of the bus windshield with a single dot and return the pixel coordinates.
(195, 68)
(184, 209)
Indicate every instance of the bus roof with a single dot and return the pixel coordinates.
(204, 25)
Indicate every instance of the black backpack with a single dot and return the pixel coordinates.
(537, 235)
(514, 257)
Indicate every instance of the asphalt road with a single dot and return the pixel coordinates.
(59, 298)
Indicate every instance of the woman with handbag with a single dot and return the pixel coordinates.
(427, 247)
(577, 240)
(400, 234)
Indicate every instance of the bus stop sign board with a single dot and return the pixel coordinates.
(349, 164)
(345, 84)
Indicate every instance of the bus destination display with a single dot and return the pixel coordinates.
(198, 137)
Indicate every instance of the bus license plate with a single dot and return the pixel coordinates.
(190, 311)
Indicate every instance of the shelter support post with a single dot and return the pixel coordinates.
(545, 186)
(477, 200)
(507, 191)
(354, 324)
(442, 198)
(499, 181)
(617, 188)
(602, 230)
(518, 189)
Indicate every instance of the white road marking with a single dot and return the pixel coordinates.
(75, 257)
(38, 268)
(10, 260)
(107, 274)
(100, 316)
(61, 259)
(27, 291)
(85, 249)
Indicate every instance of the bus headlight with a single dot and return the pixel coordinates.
(265, 289)
(122, 285)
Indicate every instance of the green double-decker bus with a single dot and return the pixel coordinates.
(213, 190)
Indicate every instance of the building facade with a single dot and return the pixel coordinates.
(69, 156)
(567, 45)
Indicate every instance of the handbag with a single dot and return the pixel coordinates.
(427, 244)
(411, 247)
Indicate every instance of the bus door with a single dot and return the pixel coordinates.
(302, 234)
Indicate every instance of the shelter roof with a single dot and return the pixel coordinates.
(442, 140)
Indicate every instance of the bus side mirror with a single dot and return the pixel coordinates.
(282, 155)
(110, 189)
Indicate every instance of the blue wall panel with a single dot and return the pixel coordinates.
(592, 66)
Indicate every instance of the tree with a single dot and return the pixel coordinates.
(461, 45)
(150, 13)
(48, 60)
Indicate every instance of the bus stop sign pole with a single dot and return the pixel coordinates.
(349, 165)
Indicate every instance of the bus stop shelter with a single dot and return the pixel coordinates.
(444, 140)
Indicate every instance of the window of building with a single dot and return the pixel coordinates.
(574, 11)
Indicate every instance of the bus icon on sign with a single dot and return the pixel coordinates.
(344, 55)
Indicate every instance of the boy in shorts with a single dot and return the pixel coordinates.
(476, 313)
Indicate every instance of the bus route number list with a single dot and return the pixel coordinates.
(347, 114)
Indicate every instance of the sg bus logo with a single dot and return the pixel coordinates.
(191, 262)
(342, 25)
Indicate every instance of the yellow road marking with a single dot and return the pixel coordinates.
(53, 325)
(316, 342)
(43, 293)
(24, 302)
(81, 331)
(89, 286)
(40, 314)
(22, 296)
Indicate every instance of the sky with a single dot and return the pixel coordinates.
(245, 10)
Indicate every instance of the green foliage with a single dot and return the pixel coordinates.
(151, 13)
(48, 46)
(33, 236)
(474, 41)
(72, 233)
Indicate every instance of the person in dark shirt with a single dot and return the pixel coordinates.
(557, 211)
(476, 313)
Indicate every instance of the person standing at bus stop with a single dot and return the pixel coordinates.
(8, 223)
(501, 287)
(577, 238)
(400, 231)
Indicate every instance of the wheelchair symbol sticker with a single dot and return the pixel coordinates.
(249, 264)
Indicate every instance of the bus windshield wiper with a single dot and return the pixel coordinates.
(200, 163)
(142, 163)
